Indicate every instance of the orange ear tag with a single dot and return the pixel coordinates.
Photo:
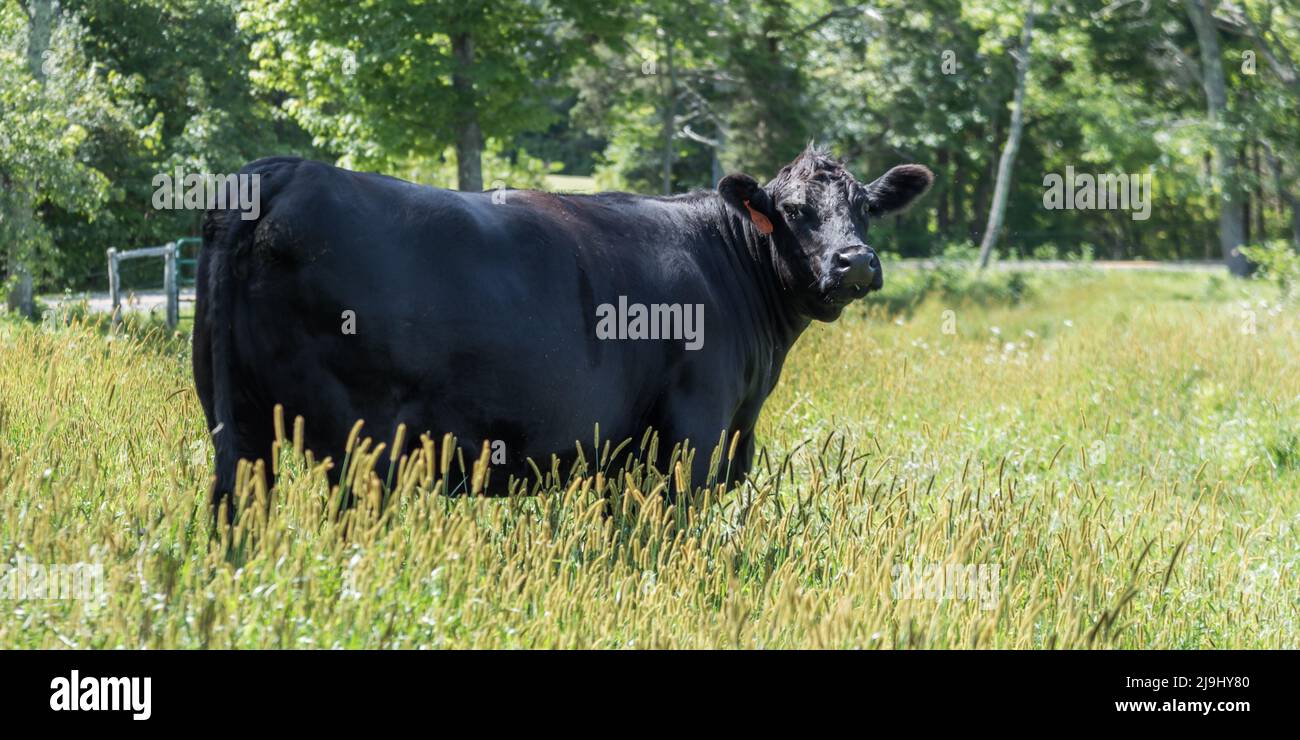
(760, 221)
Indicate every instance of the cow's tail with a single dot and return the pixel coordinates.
(222, 233)
(228, 236)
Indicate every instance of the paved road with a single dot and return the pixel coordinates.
(143, 301)
(1032, 265)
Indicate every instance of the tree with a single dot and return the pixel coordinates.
(179, 73)
(1008, 160)
(1275, 36)
(1232, 231)
(386, 82)
(50, 97)
(695, 88)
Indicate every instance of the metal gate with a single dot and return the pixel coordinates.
(181, 257)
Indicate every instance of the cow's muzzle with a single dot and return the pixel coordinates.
(857, 269)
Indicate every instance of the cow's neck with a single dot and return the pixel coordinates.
(761, 259)
(753, 261)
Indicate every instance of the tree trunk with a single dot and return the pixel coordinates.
(1008, 161)
(943, 216)
(980, 204)
(717, 172)
(1261, 217)
(21, 299)
(958, 202)
(1286, 195)
(670, 114)
(40, 17)
(469, 137)
(1207, 166)
(1295, 220)
(1232, 229)
(1245, 199)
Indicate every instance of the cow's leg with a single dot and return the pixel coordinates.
(700, 423)
(729, 471)
(249, 442)
(223, 483)
(737, 468)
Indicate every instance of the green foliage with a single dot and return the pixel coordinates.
(373, 82)
(140, 88)
(195, 110)
(1278, 262)
(51, 101)
(633, 92)
(956, 283)
(513, 169)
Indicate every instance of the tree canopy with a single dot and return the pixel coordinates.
(98, 96)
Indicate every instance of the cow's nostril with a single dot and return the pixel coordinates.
(843, 261)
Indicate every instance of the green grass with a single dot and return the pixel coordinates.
(570, 183)
(1121, 447)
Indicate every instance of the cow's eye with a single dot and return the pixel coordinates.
(795, 211)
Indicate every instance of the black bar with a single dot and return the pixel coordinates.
(302, 689)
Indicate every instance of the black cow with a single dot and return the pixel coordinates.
(512, 316)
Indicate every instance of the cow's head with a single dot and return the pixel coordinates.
(817, 215)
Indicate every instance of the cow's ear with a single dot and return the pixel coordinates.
(896, 189)
(749, 200)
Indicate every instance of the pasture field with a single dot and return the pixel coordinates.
(1117, 456)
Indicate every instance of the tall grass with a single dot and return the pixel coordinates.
(1125, 449)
